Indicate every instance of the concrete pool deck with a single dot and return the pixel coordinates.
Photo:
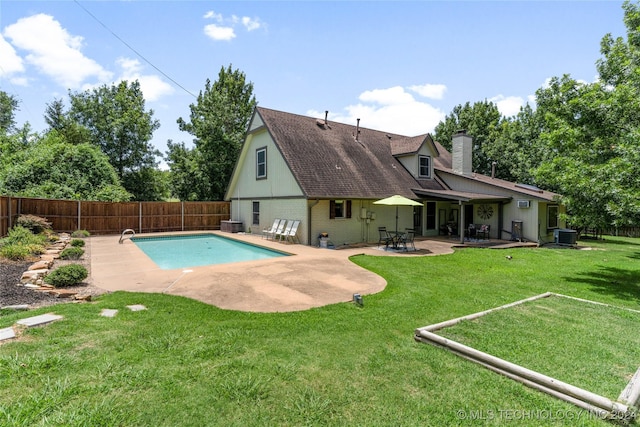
(313, 277)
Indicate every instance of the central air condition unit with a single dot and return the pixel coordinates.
(523, 204)
(565, 236)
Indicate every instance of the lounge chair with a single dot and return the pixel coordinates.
(385, 237)
(266, 232)
(292, 233)
(279, 229)
(282, 232)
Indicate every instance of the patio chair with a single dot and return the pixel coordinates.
(279, 229)
(266, 232)
(292, 233)
(483, 232)
(407, 239)
(385, 237)
(282, 233)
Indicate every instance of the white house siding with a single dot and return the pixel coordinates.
(279, 182)
(270, 209)
(357, 229)
(528, 216)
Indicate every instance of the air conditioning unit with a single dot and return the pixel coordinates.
(565, 236)
(523, 204)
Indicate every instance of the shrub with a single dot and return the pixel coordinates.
(14, 251)
(72, 253)
(67, 275)
(20, 243)
(77, 243)
(80, 233)
(33, 223)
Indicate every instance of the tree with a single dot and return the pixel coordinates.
(8, 106)
(52, 168)
(480, 120)
(59, 120)
(516, 147)
(218, 122)
(118, 123)
(186, 179)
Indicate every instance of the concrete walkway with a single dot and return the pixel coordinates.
(313, 277)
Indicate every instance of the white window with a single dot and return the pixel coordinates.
(261, 163)
(424, 167)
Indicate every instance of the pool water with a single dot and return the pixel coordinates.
(172, 252)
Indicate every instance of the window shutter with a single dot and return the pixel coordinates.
(332, 209)
(348, 213)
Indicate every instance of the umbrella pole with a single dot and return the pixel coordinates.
(396, 219)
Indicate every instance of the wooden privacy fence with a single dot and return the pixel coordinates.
(114, 217)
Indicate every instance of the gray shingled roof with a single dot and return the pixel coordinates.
(328, 161)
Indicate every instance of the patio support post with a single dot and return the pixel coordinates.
(461, 223)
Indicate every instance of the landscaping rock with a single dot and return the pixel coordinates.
(108, 312)
(31, 276)
(43, 319)
(7, 333)
(41, 265)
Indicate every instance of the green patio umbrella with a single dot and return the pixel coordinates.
(396, 201)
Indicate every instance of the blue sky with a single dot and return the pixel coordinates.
(398, 66)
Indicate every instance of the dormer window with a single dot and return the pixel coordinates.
(424, 166)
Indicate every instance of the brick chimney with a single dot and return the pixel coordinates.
(462, 146)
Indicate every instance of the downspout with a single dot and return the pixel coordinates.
(309, 221)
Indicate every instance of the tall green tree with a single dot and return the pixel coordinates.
(593, 132)
(218, 122)
(118, 123)
(8, 107)
(187, 181)
(516, 148)
(480, 120)
(59, 120)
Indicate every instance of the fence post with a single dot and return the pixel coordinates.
(79, 218)
(10, 222)
(182, 215)
(140, 217)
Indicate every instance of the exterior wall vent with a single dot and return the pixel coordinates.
(523, 204)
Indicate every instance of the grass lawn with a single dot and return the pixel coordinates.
(185, 363)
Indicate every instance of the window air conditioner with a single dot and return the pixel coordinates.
(523, 203)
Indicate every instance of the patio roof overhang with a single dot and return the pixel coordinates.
(460, 196)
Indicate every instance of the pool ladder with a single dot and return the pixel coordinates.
(128, 230)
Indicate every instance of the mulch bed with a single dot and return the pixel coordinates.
(12, 294)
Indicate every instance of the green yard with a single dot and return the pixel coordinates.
(182, 362)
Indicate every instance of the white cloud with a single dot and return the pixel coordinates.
(391, 96)
(251, 24)
(152, 86)
(390, 110)
(429, 90)
(212, 15)
(10, 61)
(508, 105)
(219, 33)
(54, 52)
(225, 30)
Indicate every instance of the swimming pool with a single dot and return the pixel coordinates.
(195, 250)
